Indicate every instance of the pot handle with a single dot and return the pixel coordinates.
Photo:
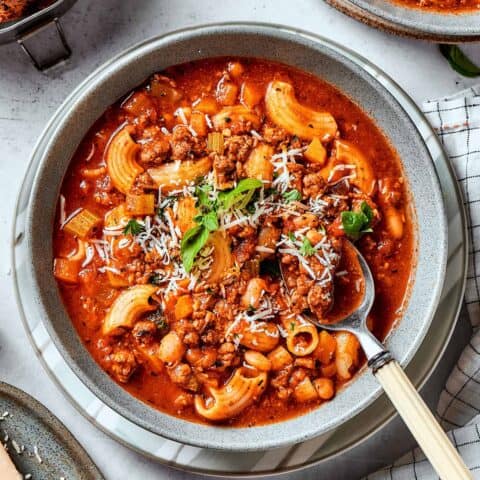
(422, 424)
(45, 33)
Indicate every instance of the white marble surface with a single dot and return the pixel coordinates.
(96, 30)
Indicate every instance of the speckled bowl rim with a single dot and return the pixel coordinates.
(224, 39)
(412, 22)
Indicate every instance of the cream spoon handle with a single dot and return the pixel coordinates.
(422, 424)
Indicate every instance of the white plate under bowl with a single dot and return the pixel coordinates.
(320, 450)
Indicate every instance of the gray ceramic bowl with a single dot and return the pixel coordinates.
(304, 51)
(413, 22)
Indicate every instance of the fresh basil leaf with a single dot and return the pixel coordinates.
(307, 249)
(201, 192)
(367, 210)
(208, 220)
(459, 61)
(192, 242)
(292, 196)
(356, 223)
(133, 228)
(352, 224)
(241, 195)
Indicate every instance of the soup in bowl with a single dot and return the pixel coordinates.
(178, 210)
(165, 203)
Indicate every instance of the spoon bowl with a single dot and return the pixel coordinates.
(411, 407)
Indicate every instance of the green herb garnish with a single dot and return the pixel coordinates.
(459, 61)
(251, 309)
(192, 242)
(241, 195)
(292, 196)
(292, 326)
(291, 237)
(196, 237)
(201, 192)
(133, 228)
(208, 220)
(307, 249)
(355, 224)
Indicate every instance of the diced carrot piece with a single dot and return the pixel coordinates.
(138, 104)
(226, 92)
(199, 124)
(206, 105)
(161, 88)
(116, 280)
(335, 228)
(235, 69)
(170, 120)
(316, 152)
(66, 270)
(250, 95)
(183, 307)
(183, 283)
(182, 115)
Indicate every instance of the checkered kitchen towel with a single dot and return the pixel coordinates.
(456, 120)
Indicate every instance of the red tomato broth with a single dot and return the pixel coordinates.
(13, 10)
(88, 301)
(441, 6)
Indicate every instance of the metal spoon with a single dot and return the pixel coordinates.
(413, 410)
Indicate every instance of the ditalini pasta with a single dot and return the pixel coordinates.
(176, 213)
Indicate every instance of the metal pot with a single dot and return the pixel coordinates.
(26, 31)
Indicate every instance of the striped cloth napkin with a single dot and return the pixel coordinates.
(456, 120)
